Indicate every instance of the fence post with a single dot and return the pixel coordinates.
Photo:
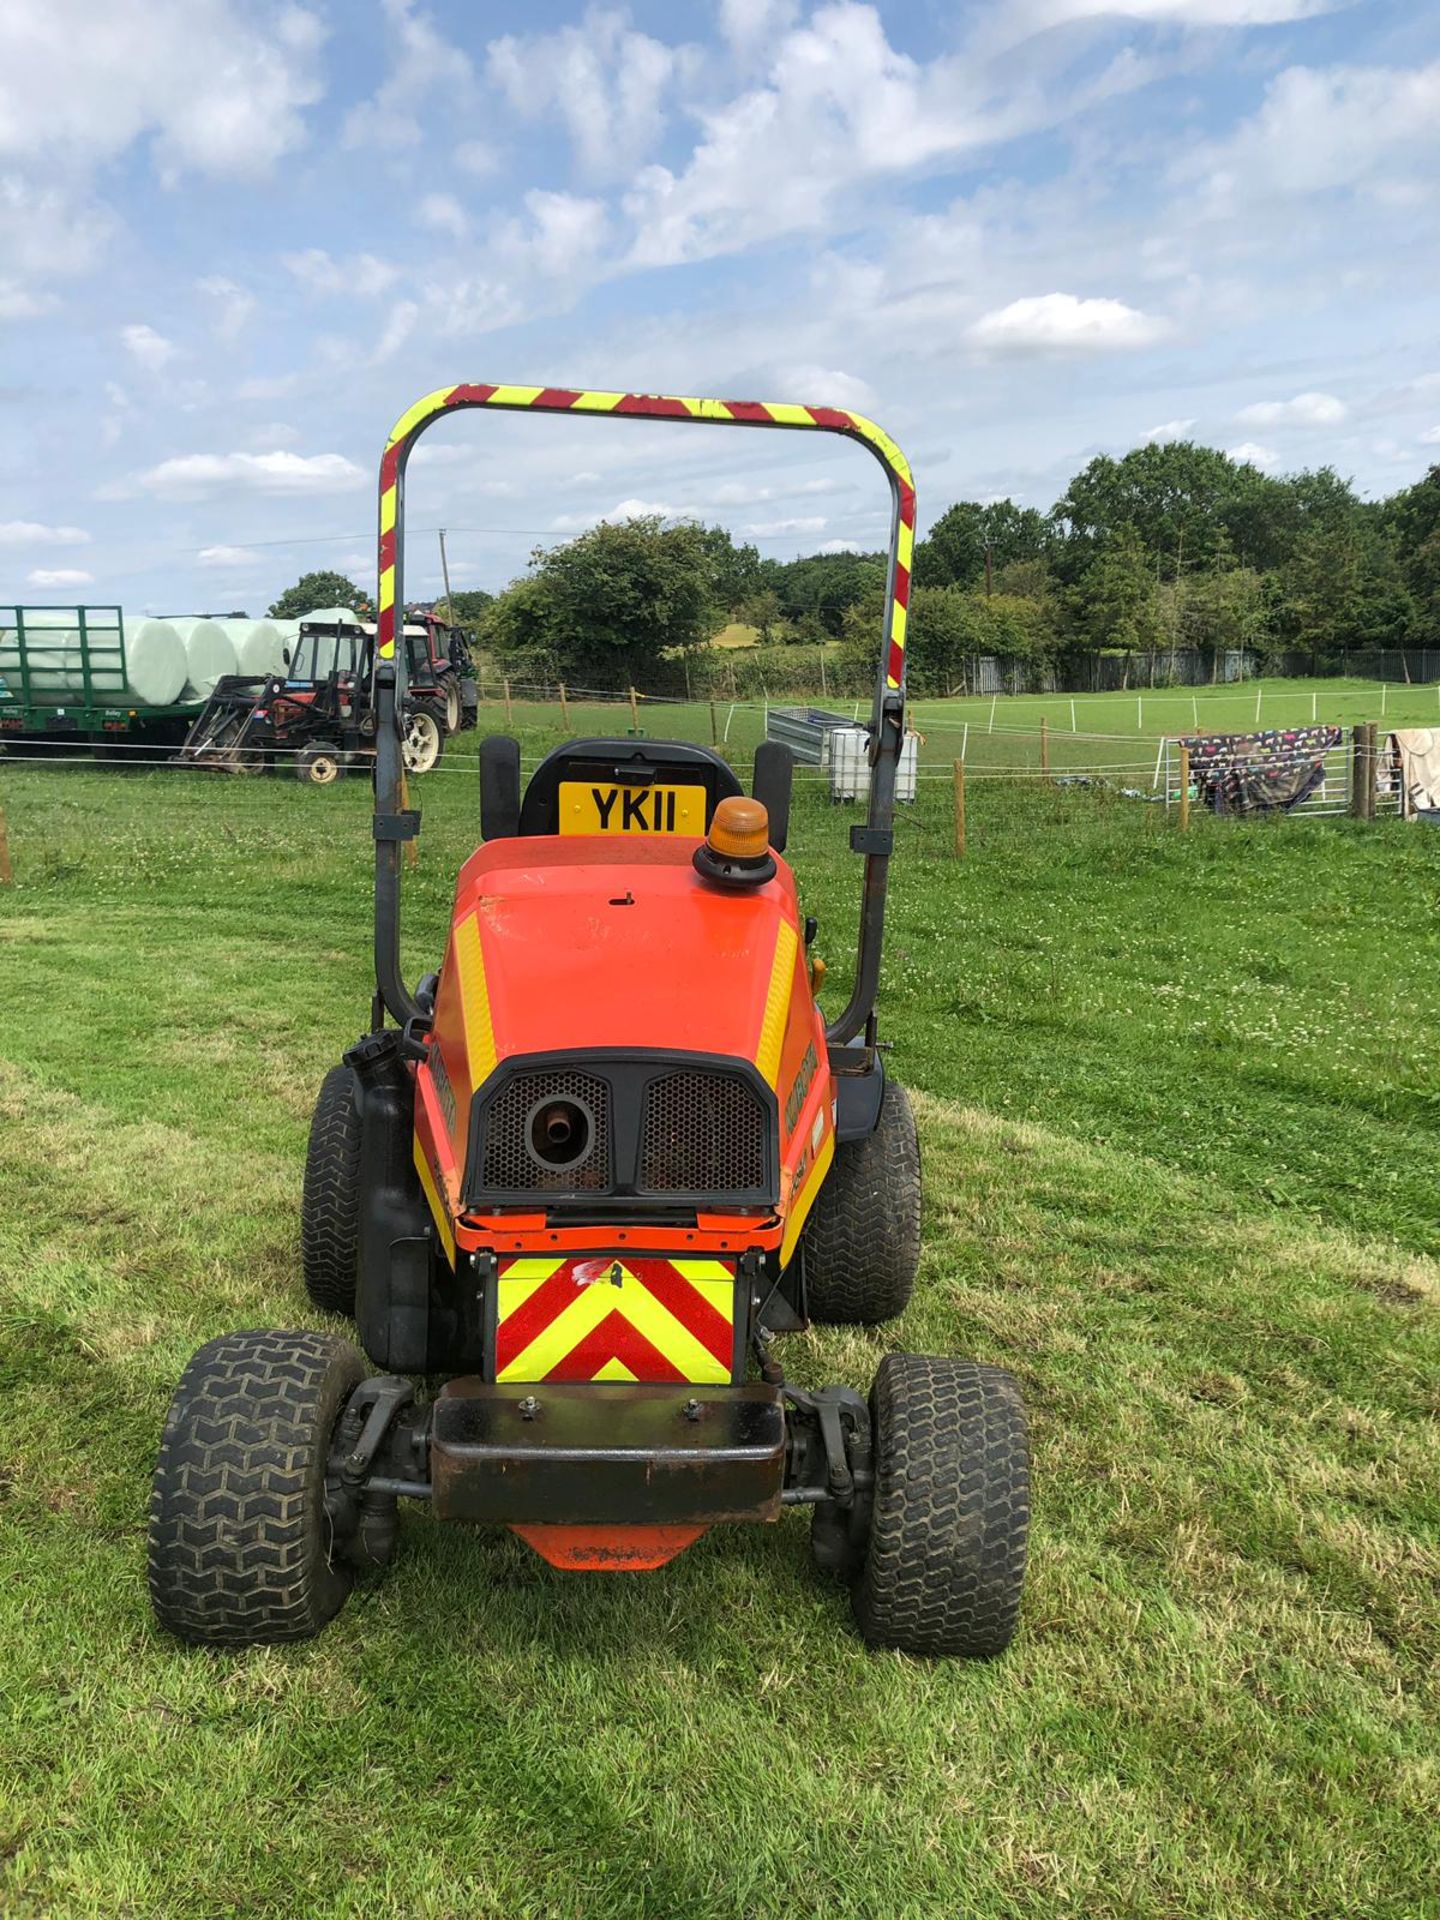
(714, 728)
(634, 712)
(959, 809)
(1359, 765)
(1044, 744)
(564, 709)
(1372, 766)
(509, 716)
(1184, 787)
(7, 872)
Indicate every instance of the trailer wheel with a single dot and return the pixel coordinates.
(861, 1243)
(424, 738)
(945, 1564)
(241, 1548)
(320, 765)
(330, 1199)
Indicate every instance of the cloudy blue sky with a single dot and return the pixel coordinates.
(237, 238)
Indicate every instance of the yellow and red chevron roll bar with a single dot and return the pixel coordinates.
(874, 840)
(649, 406)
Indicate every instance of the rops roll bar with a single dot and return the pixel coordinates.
(393, 824)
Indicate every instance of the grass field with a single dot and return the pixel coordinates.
(1179, 1102)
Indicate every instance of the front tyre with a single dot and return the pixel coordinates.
(945, 1563)
(330, 1200)
(861, 1244)
(241, 1550)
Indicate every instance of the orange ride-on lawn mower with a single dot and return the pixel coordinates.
(572, 1186)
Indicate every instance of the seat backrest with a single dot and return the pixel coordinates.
(626, 786)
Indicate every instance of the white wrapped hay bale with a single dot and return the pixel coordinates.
(209, 655)
(155, 663)
(259, 646)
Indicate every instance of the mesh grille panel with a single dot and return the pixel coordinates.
(510, 1168)
(702, 1132)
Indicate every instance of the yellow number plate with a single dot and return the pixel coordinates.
(614, 809)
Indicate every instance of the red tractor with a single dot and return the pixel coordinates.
(572, 1186)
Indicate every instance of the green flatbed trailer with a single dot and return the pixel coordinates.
(90, 701)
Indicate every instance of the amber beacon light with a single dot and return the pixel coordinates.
(736, 851)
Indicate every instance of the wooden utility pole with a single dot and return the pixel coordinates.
(509, 717)
(1184, 787)
(1044, 745)
(445, 575)
(959, 809)
(564, 709)
(714, 727)
(634, 711)
(989, 570)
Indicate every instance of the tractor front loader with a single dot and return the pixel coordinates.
(572, 1186)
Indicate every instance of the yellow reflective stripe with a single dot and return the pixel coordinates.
(897, 625)
(387, 587)
(801, 1203)
(777, 1003)
(597, 402)
(905, 553)
(521, 1278)
(436, 1205)
(387, 508)
(664, 1332)
(701, 1270)
(474, 1001)
(878, 437)
(513, 396)
(614, 1370)
(709, 409)
(422, 411)
(787, 415)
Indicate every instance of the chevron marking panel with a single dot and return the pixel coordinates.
(601, 1317)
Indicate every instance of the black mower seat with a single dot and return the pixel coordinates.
(606, 785)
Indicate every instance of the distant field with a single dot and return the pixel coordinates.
(1179, 1102)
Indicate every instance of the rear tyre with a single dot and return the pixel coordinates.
(320, 765)
(945, 1565)
(241, 1551)
(424, 739)
(861, 1244)
(454, 711)
(330, 1200)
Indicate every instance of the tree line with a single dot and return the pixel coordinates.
(1173, 545)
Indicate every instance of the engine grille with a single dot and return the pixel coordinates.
(510, 1168)
(702, 1133)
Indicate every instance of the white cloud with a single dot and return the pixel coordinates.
(1430, 437)
(426, 69)
(1372, 129)
(825, 387)
(1248, 454)
(363, 274)
(233, 305)
(475, 158)
(605, 81)
(46, 233)
(148, 348)
(58, 577)
(563, 237)
(808, 523)
(750, 24)
(219, 88)
(841, 107)
(226, 557)
(1168, 430)
(33, 533)
(622, 510)
(840, 546)
(1062, 323)
(398, 329)
(1305, 410)
(193, 475)
(443, 213)
(23, 303)
(1034, 16)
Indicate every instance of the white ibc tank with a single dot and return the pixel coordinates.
(850, 765)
